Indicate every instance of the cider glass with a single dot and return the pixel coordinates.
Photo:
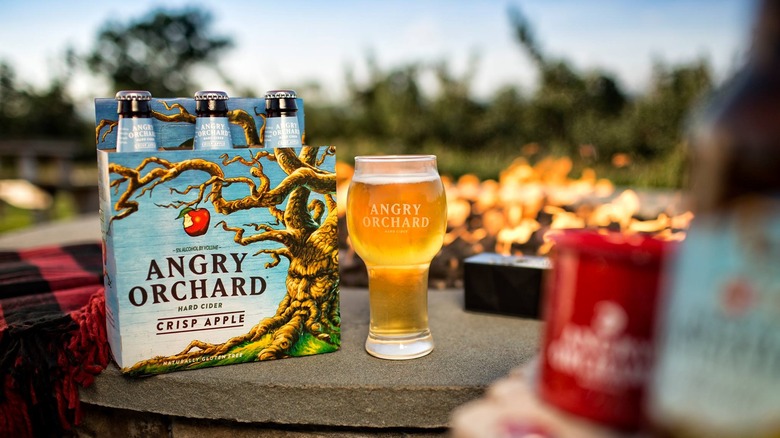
(397, 217)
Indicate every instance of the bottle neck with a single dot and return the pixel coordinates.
(281, 113)
(212, 114)
(279, 107)
(765, 44)
(211, 108)
(735, 152)
(134, 109)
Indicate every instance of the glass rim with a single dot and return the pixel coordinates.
(395, 158)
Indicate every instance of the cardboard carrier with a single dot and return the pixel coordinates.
(216, 257)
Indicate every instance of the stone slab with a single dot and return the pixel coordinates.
(346, 388)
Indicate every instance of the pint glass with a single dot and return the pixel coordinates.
(396, 217)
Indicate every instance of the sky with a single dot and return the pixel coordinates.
(285, 44)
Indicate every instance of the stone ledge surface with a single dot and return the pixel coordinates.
(107, 422)
(347, 388)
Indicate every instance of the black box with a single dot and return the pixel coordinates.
(507, 285)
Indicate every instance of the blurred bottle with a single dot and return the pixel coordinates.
(212, 128)
(718, 370)
(281, 120)
(135, 129)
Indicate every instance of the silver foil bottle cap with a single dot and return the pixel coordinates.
(133, 95)
(280, 94)
(211, 95)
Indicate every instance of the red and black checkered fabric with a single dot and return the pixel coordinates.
(52, 336)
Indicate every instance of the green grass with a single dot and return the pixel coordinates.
(246, 352)
(666, 172)
(13, 218)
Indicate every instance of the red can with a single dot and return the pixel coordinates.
(600, 309)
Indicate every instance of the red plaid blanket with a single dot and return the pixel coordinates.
(52, 336)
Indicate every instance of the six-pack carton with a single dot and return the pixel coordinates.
(216, 257)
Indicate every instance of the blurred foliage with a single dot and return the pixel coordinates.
(157, 52)
(26, 112)
(632, 139)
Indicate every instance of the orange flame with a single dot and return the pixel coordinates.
(539, 200)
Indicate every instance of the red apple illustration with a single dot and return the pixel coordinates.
(196, 221)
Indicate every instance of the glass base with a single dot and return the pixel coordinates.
(401, 347)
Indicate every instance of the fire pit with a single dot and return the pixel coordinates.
(518, 214)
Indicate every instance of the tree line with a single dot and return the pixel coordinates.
(587, 115)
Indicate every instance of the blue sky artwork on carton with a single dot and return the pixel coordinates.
(216, 257)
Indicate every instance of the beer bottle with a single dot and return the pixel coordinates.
(212, 128)
(281, 120)
(135, 132)
(718, 364)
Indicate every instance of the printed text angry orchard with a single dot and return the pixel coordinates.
(211, 279)
(397, 215)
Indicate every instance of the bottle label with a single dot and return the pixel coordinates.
(282, 132)
(719, 358)
(212, 133)
(136, 135)
(602, 355)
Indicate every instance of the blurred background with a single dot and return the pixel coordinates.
(567, 92)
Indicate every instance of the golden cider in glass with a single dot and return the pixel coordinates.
(396, 218)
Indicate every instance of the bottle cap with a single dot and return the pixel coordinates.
(280, 94)
(277, 101)
(134, 103)
(211, 95)
(211, 103)
(133, 95)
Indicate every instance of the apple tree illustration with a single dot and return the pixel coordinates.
(306, 229)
